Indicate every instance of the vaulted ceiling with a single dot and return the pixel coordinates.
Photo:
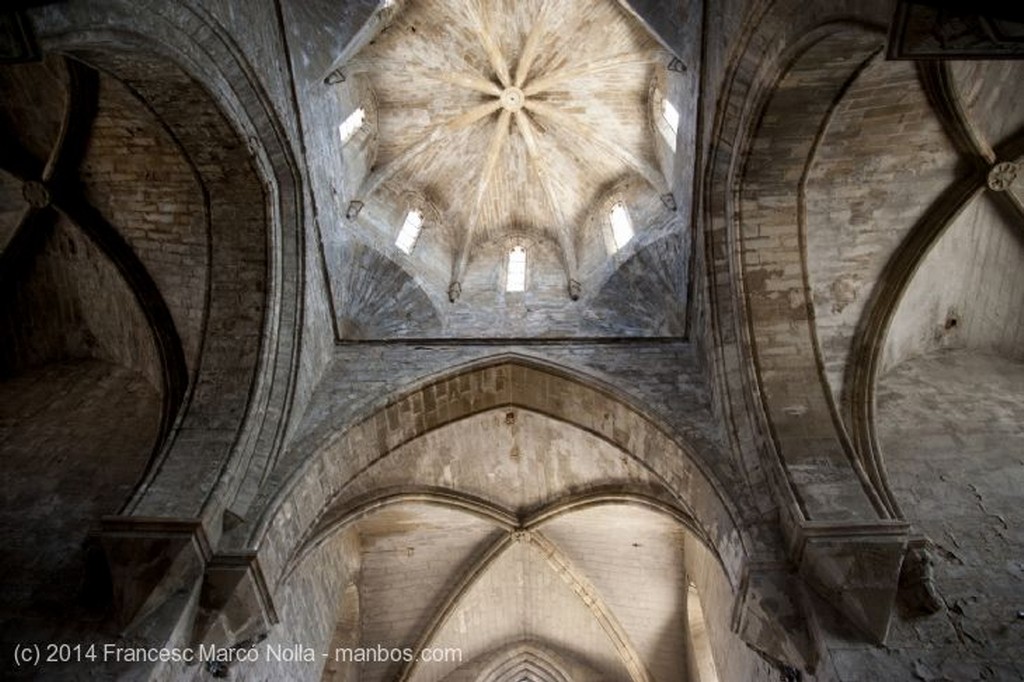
(508, 124)
(514, 116)
(517, 554)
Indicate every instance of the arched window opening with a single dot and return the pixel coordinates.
(351, 125)
(670, 115)
(515, 280)
(622, 225)
(410, 232)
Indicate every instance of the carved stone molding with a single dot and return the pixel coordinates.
(1002, 175)
(521, 535)
(454, 291)
(769, 617)
(928, 29)
(151, 560)
(918, 591)
(235, 606)
(856, 568)
(36, 194)
(156, 561)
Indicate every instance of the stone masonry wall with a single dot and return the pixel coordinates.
(883, 161)
(72, 303)
(139, 180)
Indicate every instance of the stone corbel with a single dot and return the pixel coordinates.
(151, 562)
(768, 616)
(918, 592)
(855, 568)
(235, 606)
(380, 19)
(454, 291)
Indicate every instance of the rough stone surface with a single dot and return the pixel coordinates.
(76, 438)
(860, 204)
(802, 371)
(951, 436)
(95, 316)
(137, 176)
(958, 301)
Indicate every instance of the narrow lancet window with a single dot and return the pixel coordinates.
(410, 231)
(622, 226)
(671, 116)
(351, 125)
(516, 276)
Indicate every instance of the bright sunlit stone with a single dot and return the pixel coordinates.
(352, 124)
(410, 231)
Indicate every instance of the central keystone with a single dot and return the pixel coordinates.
(512, 98)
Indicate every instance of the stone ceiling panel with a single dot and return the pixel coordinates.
(517, 459)
(522, 596)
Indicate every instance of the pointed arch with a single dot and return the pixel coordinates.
(524, 659)
(779, 96)
(189, 72)
(506, 380)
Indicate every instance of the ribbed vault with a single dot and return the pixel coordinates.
(522, 128)
(525, 136)
(525, 662)
(509, 524)
(92, 368)
(901, 181)
(603, 582)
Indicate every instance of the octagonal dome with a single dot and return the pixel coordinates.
(506, 125)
